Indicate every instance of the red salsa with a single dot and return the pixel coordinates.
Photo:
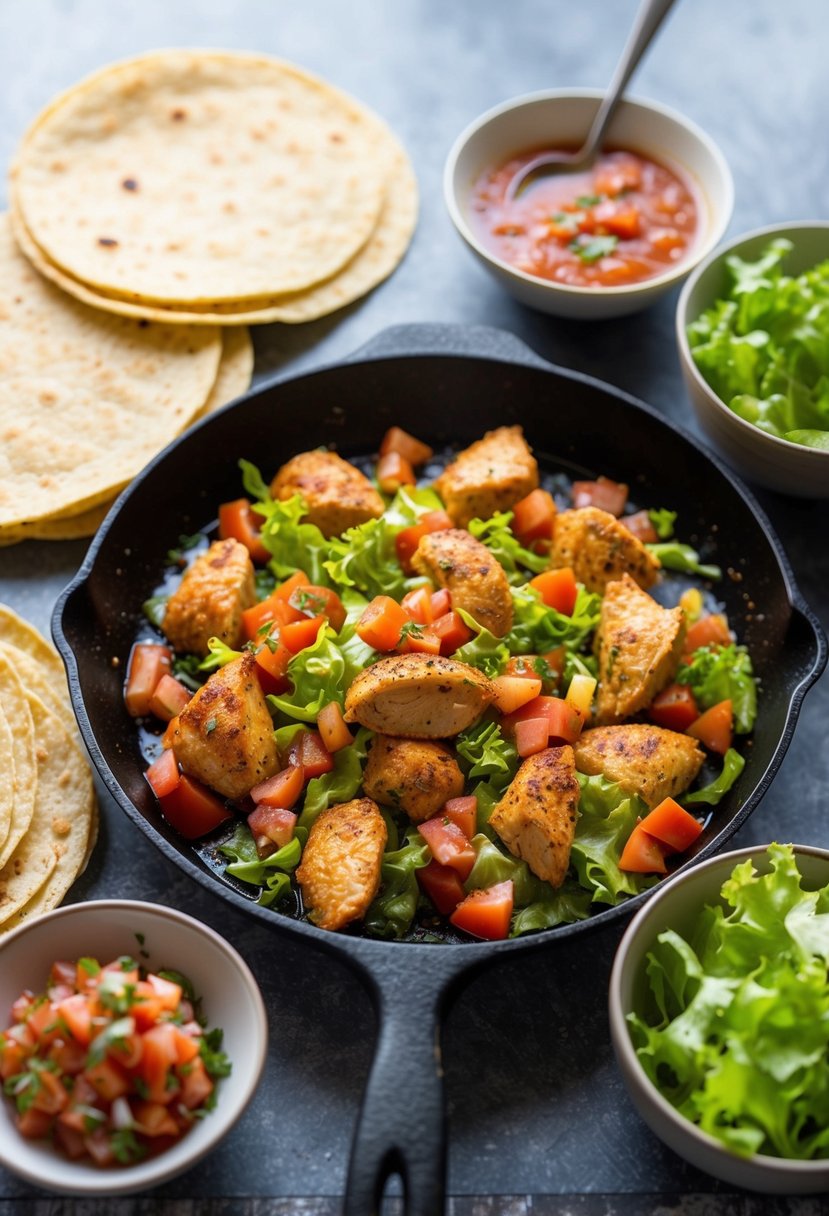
(622, 221)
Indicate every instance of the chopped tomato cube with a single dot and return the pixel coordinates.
(169, 698)
(301, 634)
(274, 610)
(152, 1119)
(558, 589)
(442, 885)
(711, 630)
(563, 721)
(533, 517)
(408, 539)
(238, 521)
(449, 845)
(400, 441)
(52, 1096)
(607, 495)
(420, 639)
(309, 751)
(672, 826)
(187, 1046)
(532, 735)
(34, 1124)
(275, 824)
(394, 471)
(163, 774)
(441, 602)
(675, 708)
(486, 914)
(511, 692)
(12, 1057)
(148, 663)
(76, 1012)
(417, 605)
(160, 1054)
(99, 1146)
(192, 809)
(463, 812)
(639, 524)
(643, 854)
(313, 601)
(283, 789)
(167, 991)
(715, 728)
(108, 1080)
(196, 1085)
(382, 623)
(272, 667)
(452, 631)
(332, 727)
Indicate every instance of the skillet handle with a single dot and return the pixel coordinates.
(401, 1125)
(483, 341)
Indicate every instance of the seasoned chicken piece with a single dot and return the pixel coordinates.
(415, 774)
(599, 548)
(646, 760)
(418, 696)
(340, 870)
(536, 818)
(337, 495)
(491, 475)
(210, 599)
(224, 734)
(638, 644)
(458, 561)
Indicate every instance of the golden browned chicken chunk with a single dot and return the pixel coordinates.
(599, 548)
(210, 599)
(638, 644)
(338, 495)
(224, 735)
(646, 760)
(340, 869)
(490, 475)
(536, 818)
(417, 775)
(458, 561)
(418, 696)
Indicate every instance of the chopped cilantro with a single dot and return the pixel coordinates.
(590, 249)
(215, 1061)
(126, 1147)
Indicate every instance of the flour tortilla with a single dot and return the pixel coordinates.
(373, 263)
(50, 854)
(232, 380)
(21, 769)
(86, 398)
(48, 687)
(7, 782)
(185, 176)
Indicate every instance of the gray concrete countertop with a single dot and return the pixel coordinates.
(539, 1120)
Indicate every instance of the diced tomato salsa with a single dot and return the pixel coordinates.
(110, 1062)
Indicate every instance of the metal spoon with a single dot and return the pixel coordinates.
(650, 16)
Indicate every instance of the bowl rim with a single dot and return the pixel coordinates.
(150, 1173)
(721, 218)
(815, 455)
(630, 1065)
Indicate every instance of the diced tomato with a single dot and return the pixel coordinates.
(285, 590)
(675, 708)
(192, 809)
(443, 886)
(564, 722)
(420, 639)
(34, 1124)
(332, 727)
(408, 539)
(163, 774)
(382, 623)
(12, 1057)
(639, 524)
(44, 1023)
(299, 635)
(169, 698)
(127, 1051)
(283, 789)
(614, 177)
(643, 854)
(153, 1119)
(196, 1085)
(607, 495)
(99, 1146)
(533, 517)
(146, 1009)
(70, 1140)
(417, 605)
(238, 521)
(167, 991)
(531, 735)
(452, 631)
(314, 601)
(108, 1080)
(555, 660)
(463, 812)
(160, 1054)
(400, 441)
(272, 667)
(522, 667)
(309, 751)
(272, 827)
(449, 845)
(394, 471)
(148, 663)
(441, 602)
(622, 221)
(711, 630)
(558, 589)
(511, 692)
(672, 826)
(187, 1046)
(76, 1012)
(486, 914)
(715, 727)
(52, 1096)
(69, 1056)
(275, 610)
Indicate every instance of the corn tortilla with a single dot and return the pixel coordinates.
(185, 176)
(86, 398)
(21, 769)
(6, 785)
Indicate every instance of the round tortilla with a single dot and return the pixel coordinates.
(235, 370)
(86, 398)
(186, 176)
(41, 681)
(19, 633)
(373, 263)
(6, 786)
(22, 766)
(49, 856)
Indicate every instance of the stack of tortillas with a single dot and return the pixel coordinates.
(164, 200)
(48, 813)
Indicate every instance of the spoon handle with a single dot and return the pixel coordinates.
(650, 16)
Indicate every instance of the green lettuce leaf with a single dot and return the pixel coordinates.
(504, 545)
(607, 816)
(663, 522)
(484, 651)
(733, 765)
(537, 628)
(484, 752)
(341, 784)
(723, 673)
(321, 673)
(272, 874)
(393, 909)
(683, 558)
(293, 544)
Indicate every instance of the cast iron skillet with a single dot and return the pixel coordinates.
(449, 385)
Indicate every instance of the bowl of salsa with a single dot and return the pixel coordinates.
(600, 242)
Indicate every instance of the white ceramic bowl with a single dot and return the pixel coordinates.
(230, 998)
(675, 906)
(765, 459)
(560, 118)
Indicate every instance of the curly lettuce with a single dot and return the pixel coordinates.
(504, 545)
(722, 673)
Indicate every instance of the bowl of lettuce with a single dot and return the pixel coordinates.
(753, 334)
(719, 1015)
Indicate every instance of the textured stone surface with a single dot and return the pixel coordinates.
(538, 1116)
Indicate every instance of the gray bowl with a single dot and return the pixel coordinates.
(675, 906)
(761, 458)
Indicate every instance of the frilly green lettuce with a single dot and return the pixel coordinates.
(720, 673)
(499, 538)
